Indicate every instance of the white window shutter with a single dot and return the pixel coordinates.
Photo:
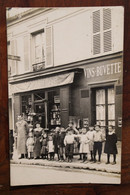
(13, 53)
(107, 30)
(49, 47)
(26, 53)
(96, 33)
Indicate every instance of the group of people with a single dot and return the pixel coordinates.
(59, 145)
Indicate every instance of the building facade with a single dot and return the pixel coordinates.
(66, 64)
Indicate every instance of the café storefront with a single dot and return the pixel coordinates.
(88, 93)
(97, 93)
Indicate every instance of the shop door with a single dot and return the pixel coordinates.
(40, 114)
(105, 106)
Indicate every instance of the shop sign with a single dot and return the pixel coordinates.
(119, 121)
(103, 70)
(85, 122)
(56, 99)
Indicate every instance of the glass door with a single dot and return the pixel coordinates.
(105, 106)
(40, 113)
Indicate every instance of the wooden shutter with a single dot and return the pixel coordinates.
(96, 32)
(107, 32)
(14, 53)
(26, 53)
(16, 107)
(64, 98)
(49, 49)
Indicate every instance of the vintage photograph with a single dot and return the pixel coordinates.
(65, 87)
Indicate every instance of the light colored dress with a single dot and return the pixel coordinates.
(84, 144)
(30, 144)
(50, 146)
(90, 135)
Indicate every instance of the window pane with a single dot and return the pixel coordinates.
(111, 112)
(100, 96)
(101, 123)
(111, 123)
(111, 96)
(100, 112)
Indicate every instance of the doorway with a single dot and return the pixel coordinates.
(40, 113)
(103, 106)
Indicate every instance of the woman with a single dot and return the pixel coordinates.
(37, 140)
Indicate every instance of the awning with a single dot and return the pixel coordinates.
(42, 83)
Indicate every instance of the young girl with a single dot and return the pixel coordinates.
(44, 152)
(110, 145)
(50, 148)
(30, 145)
(84, 144)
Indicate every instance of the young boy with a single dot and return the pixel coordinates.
(98, 139)
(69, 143)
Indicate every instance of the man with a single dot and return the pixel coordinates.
(21, 133)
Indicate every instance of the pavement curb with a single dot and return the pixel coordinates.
(96, 167)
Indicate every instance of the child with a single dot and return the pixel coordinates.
(30, 145)
(110, 145)
(84, 144)
(69, 144)
(56, 142)
(90, 135)
(61, 144)
(98, 139)
(44, 152)
(50, 148)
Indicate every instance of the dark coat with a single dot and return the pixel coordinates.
(61, 139)
(110, 145)
(56, 142)
(37, 143)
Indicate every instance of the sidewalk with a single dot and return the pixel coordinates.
(76, 164)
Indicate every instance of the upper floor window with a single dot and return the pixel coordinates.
(42, 49)
(102, 31)
(39, 50)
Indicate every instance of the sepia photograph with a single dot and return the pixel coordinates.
(65, 88)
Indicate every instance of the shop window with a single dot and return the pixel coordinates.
(26, 104)
(102, 31)
(105, 106)
(40, 96)
(54, 108)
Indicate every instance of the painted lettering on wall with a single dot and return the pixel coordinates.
(108, 69)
